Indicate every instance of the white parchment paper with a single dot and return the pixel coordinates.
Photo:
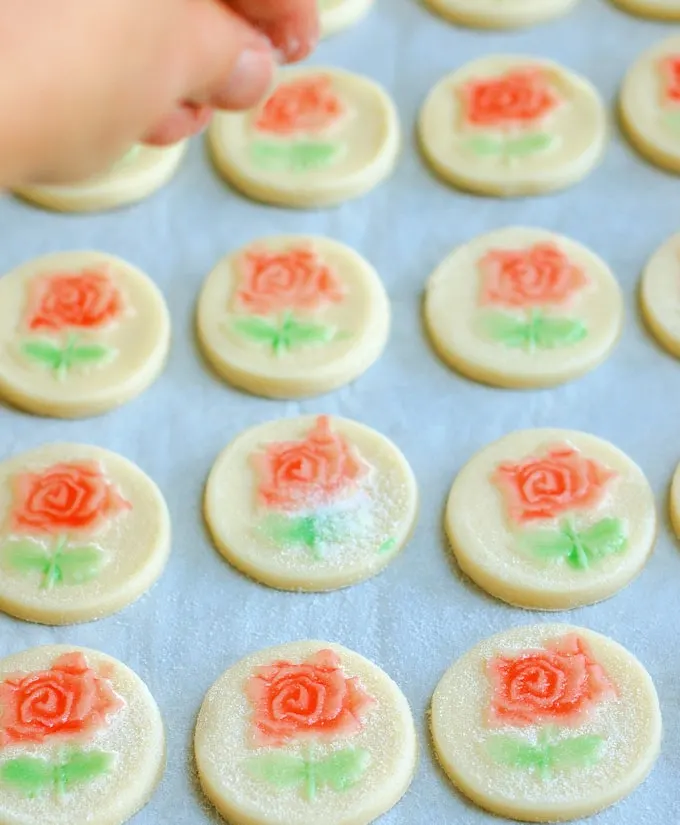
(417, 617)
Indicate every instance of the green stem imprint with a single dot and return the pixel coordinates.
(510, 149)
(579, 549)
(59, 565)
(672, 122)
(299, 156)
(537, 332)
(62, 359)
(549, 755)
(309, 531)
(33, 776)
(287, 334)
(387, 546)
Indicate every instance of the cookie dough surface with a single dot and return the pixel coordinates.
(660, 295)
(650, 104)
(497, 14)
(138, 174)
(546, 723)
(337, 15)
(323, 136)
(551, 519)
(83, 533)
(80, 334)
(303, 734)
(523, 307)
(312, 503)
(81, 739)
(510, 125)
(293, 316)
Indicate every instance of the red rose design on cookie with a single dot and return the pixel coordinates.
(68, 701)
(86, 300)
(671, 71)
(313, 698)
(559, 482)
(520, 97)
(559, 685)
(307, 105)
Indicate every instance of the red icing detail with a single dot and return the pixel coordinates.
(539, 275)
(306, 105)
(670, 68)
(544, 488)
(517, 98)
(86, 300)
(277, 281)
(65, 498)
(560, 684)
(314, 698)
(70, 700)
(297, 474)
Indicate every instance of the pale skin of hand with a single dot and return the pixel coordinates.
(82, 80)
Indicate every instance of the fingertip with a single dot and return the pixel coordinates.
(186, 121)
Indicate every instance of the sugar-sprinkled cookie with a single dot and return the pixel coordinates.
(293, 316)
(551, 519)
(305, 733)
(508, 125)
(497, 14)
(523, 307)
(81, 739)
(337, 15)
(322, 137)
(546, 723)
(311, 503)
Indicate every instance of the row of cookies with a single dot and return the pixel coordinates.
(501, 125)
(539, 723)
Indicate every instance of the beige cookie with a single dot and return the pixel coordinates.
(311, 503)
(80, 334)
(303, 734)
(499, 14)
(652, 9)
(322, 137)
(83, 533)
(551, 519)
(337, 15)
(293, 316)
(660, 295)
(675, 502)
(523, 307)
(650, 104)
(510, 125)
(81, 739)
(138, 174)
(546, 723)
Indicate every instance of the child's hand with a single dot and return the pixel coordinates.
(83, 79)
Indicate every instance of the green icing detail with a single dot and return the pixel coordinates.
(339, 771)
(301, 156)
(32, 776)
(539, 332)
(287, 335)
(579, 549)
(62, 359)
(672, 121)
(387, 546)
(61, 565)
(510, 148)
(547, 755)
(309, 531)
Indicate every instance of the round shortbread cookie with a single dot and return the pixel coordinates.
(83, 533)
(546, 723)
(497, 14)
(322, 137)
(649, 104)
(652, 9)
(81, 739)
(293, 316)
(660, 295)
(523, 307)
(510, 125)
(551, 519)
(305, 733)
(675, 502)
(337, 15)
(138, 174)
(80, 334)
(311, 503)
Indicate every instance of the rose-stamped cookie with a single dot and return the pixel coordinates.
(139, 173)
(497, 14)
(81, 739)
(83, 533)
(508, 126)
(305, 733)
(293, 316)
(523, 307)
(311, 503)
(660, 295)
(336, 15)
(649, 104)
(80, 333)
(551, 519)
(546, 723)
(322, 137)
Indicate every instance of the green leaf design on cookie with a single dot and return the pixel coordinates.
(548, 755)
(286, 335)
(61, 565)
(579, 549)
(510, 148)
(536, 333)
(301, 156)
(33, 776)
(61, 360)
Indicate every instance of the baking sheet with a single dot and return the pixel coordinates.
(417, 617)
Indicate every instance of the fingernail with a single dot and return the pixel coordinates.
(249, 80)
